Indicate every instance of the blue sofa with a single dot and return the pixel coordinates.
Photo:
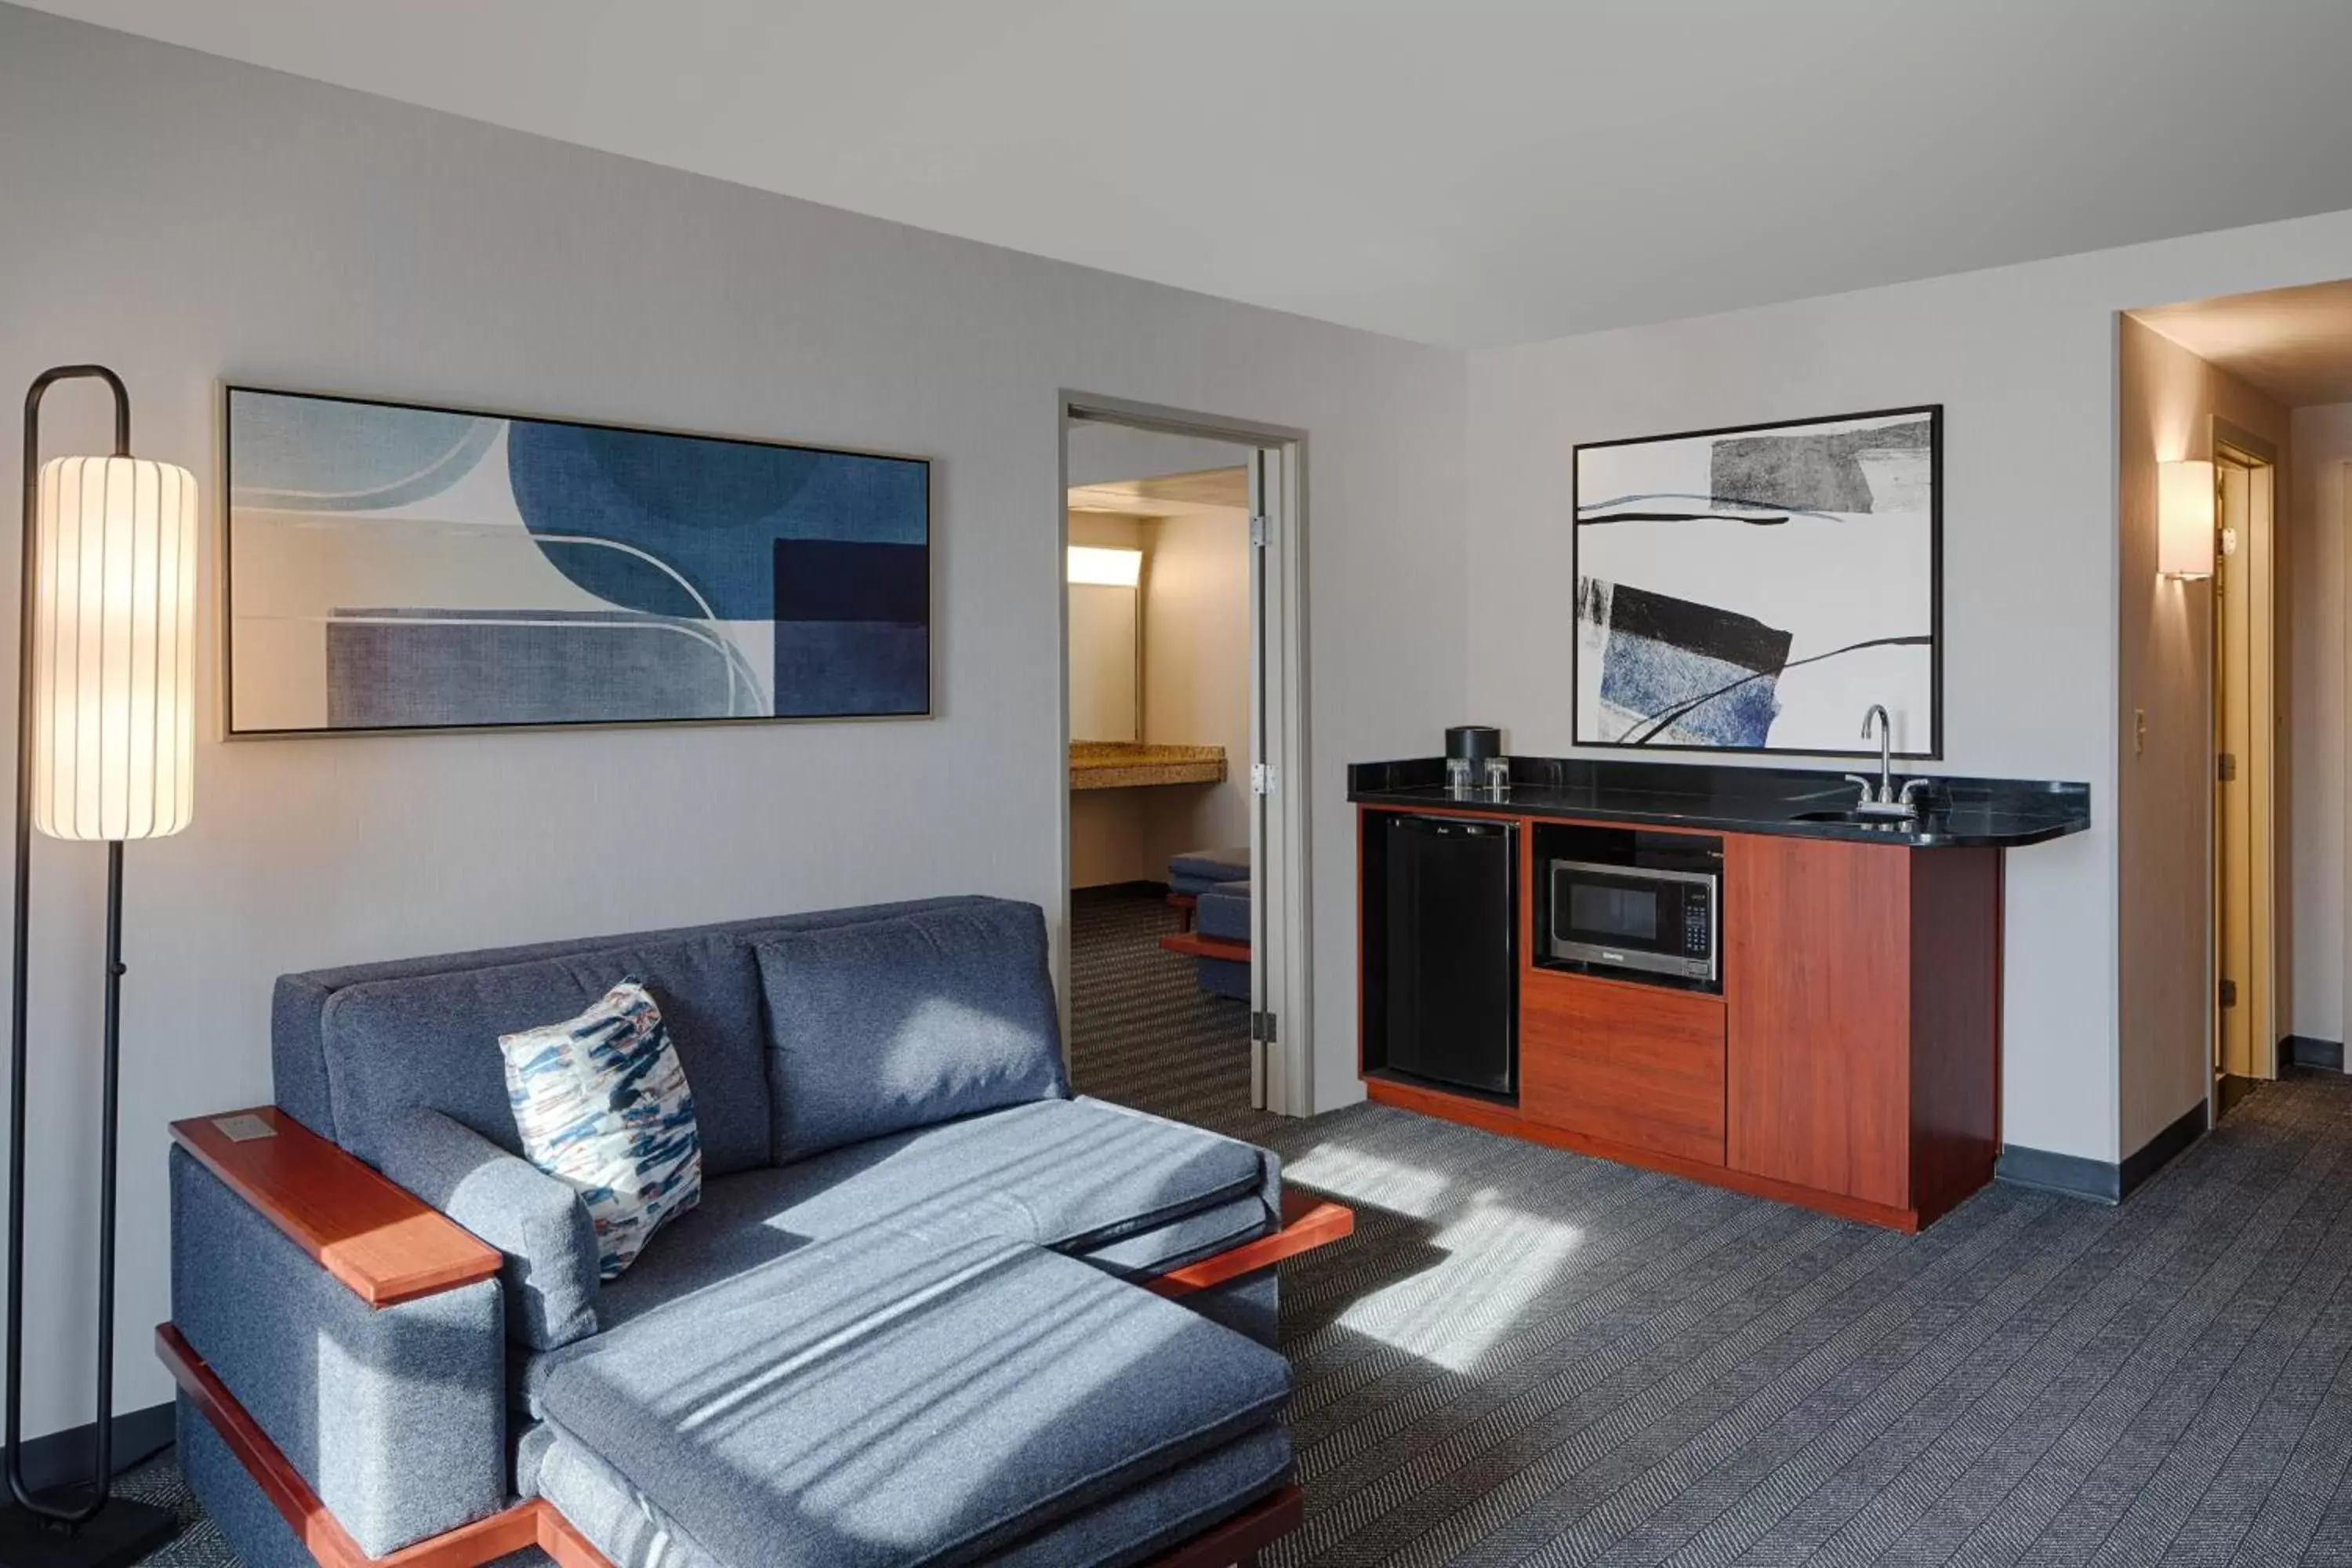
(932, 1308)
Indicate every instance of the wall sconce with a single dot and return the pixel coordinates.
(1110, 568)
(2184, 519)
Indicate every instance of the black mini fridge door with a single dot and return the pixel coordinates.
(1451, 952)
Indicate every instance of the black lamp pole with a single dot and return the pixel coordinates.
(79, 1525)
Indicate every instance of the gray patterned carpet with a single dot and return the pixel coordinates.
(1526, 1357)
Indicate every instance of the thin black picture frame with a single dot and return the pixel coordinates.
(227, 392)
(1935, 751)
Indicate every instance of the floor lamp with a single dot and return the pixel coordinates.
(105, 749)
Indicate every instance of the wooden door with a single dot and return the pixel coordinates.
(1817, 980)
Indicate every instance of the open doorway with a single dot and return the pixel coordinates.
(2251, 610)
(1183, 674)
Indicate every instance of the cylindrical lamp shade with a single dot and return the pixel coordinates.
(2184, 519)
(114, 649)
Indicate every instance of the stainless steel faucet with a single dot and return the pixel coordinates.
(1884, 799)
(1877, 715)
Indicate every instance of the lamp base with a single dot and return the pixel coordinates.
(123, 1532)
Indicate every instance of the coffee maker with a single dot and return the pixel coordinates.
(1476, 768)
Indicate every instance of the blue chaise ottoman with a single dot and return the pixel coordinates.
(883, 1399)
(1196, 872)
(1223, 912)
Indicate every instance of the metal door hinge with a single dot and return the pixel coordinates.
(1261, 529)
(2229, 993)
(1262, 1028)
(2226, 767)
(1261, 779)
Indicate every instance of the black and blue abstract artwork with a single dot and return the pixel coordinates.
(1759, 589)
(396, 567)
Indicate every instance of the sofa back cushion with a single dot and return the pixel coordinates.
(432, 1040)
(892, 1023)
(437, 1047)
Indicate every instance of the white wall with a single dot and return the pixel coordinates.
(1196, 675)
(2024, 359)
(1110, 841)
(202, 220)
(1104, 635)
(2315, 516)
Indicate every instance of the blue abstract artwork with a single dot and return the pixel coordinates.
(396, 567)
(1759, 589)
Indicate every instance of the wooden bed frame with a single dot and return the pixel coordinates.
(386, 1247)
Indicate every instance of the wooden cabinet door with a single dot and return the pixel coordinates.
(1816, 936)
(1636, 1064)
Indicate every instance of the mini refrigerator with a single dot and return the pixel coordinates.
(1448, 955)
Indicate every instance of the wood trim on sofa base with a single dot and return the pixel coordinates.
(532, 1523)
(1192, 945)
(1307, 1222)
(1236, 1543)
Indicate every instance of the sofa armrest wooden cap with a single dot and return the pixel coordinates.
(1307, 1222)
(383, 1244)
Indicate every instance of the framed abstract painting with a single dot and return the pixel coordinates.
(397, 568)
(1759, 589)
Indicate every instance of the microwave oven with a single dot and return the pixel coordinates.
(1644, 905)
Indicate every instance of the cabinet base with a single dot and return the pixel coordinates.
(1509, 1124)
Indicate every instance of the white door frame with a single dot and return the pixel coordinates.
(1281, 910)
(2258, 561)
(2340, 513)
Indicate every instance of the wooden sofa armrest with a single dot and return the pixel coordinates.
(1192, 945)
(385, 1245)
(1307, 1222)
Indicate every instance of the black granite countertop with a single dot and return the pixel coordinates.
(1960, 812)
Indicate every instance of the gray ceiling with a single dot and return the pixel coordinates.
(1464, 172)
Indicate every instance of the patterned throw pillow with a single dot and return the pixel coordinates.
(602, 1105)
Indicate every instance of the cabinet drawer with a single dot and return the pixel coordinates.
(1636, 1064)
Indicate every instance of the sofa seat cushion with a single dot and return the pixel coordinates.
(1137, 1526)
(432, 1040)
(1078, 1175)
(877, 1400)
(895, 1023)
(1198, 870)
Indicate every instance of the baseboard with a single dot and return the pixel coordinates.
(2100, 1180)
(1106, 891)
(63, 1457)
(2305, 1051)
(2071, 1174)
(2159, 1151)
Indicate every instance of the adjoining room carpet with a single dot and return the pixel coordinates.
(1527, 1357)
